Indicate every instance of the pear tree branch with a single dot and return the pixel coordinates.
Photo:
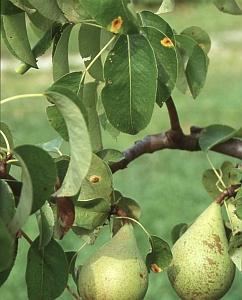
(174, 138)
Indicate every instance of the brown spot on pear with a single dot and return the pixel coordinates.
(115, 271)
(201, 268)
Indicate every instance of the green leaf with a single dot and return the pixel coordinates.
(17, 38)
(196, 65)
(71, 81)
(69, 9)
(110, 156)
(235, 250)
(175, 232)
(49, 9)
(166, 6)
(7, 248)
(8, 134)
(130, 84)
(92, 213)
(79, 144)
(39, 49)
(166, 59)
(52, 146)
(42, 170)
(46, 272)
(216, 134)
(90, 102)
(42, 23)
(200, 36)
(160, 256)
(60, 52)
(108, 127)
(45, 221)
(7, 8)
(71, 259)
(7, 202)
(98, 181)
(235, 222)
(117, 16)
(228, 6)
(88, 236)
(89, 47)
(21, 4)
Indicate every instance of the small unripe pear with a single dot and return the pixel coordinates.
(201, 268)
(116, 271)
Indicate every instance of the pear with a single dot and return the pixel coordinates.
(116, 271)
(201, 267)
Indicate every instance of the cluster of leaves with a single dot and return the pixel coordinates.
(135, 61)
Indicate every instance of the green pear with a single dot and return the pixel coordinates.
(116, 271)
(201, 268)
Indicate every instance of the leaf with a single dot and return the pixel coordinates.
(52, 146)
(20, 4)
(71, 259)
(90, 103)
(60, 52)
(216, 134)
(49, 9)
(91, 213)
(16, 35)
(42, 23)
(235, 250)
(108, 127)
(98, 181)
(71, 81)
(110, 156)
(166, 59)
(46, 272)
(65, 214)
(175, 232)
(200, 36)
(39, 49)
(42, 170)
(166, 6)
(130, 84)
(117, 16)
(45, 220)
(160, 256)
(238, 204)
(196, 65)
(7, 202)
(6, 249)
(228, 6)
(88, 236)
(235, 222)
(7, 8)
(89, 47)
(79, 144)
(68, 9)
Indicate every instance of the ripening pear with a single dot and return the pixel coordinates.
(201, 268)
(116, 271)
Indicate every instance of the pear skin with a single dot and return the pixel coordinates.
(201, 268)
(116, 271)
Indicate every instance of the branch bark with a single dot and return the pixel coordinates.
(174, 139)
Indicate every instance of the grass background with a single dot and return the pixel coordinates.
(166, 184)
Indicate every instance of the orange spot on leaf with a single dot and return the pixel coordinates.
(166, 42)
(116, 25)
(202, 46)
(155, 268)
(95, 178)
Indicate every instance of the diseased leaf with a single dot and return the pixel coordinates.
(235, 250)
(130, 84)
(123, 22)
(79, 144)
(160, 256)
(47, 271)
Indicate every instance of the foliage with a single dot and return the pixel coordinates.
(135, 61)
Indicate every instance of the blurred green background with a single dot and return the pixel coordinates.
(166, 184)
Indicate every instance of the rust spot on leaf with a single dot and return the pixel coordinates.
(116, 25)
(202, 46)
(155, 268)
(166, 42)
(95, 178)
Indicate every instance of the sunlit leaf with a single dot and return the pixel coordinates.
(52, 146)
(16, 35)
(166, 6)
(79, 144)
(47, 271)
(103, 12)
(228, 6)
(160, 256)
(91, 213)
(196, 65)
(98, 181)
(130, 84)
(215, 134)
(110, 155)
(70, 81)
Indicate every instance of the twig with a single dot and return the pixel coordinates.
(72, 292)
(22, 233)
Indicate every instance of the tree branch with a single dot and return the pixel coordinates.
(175, 139)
